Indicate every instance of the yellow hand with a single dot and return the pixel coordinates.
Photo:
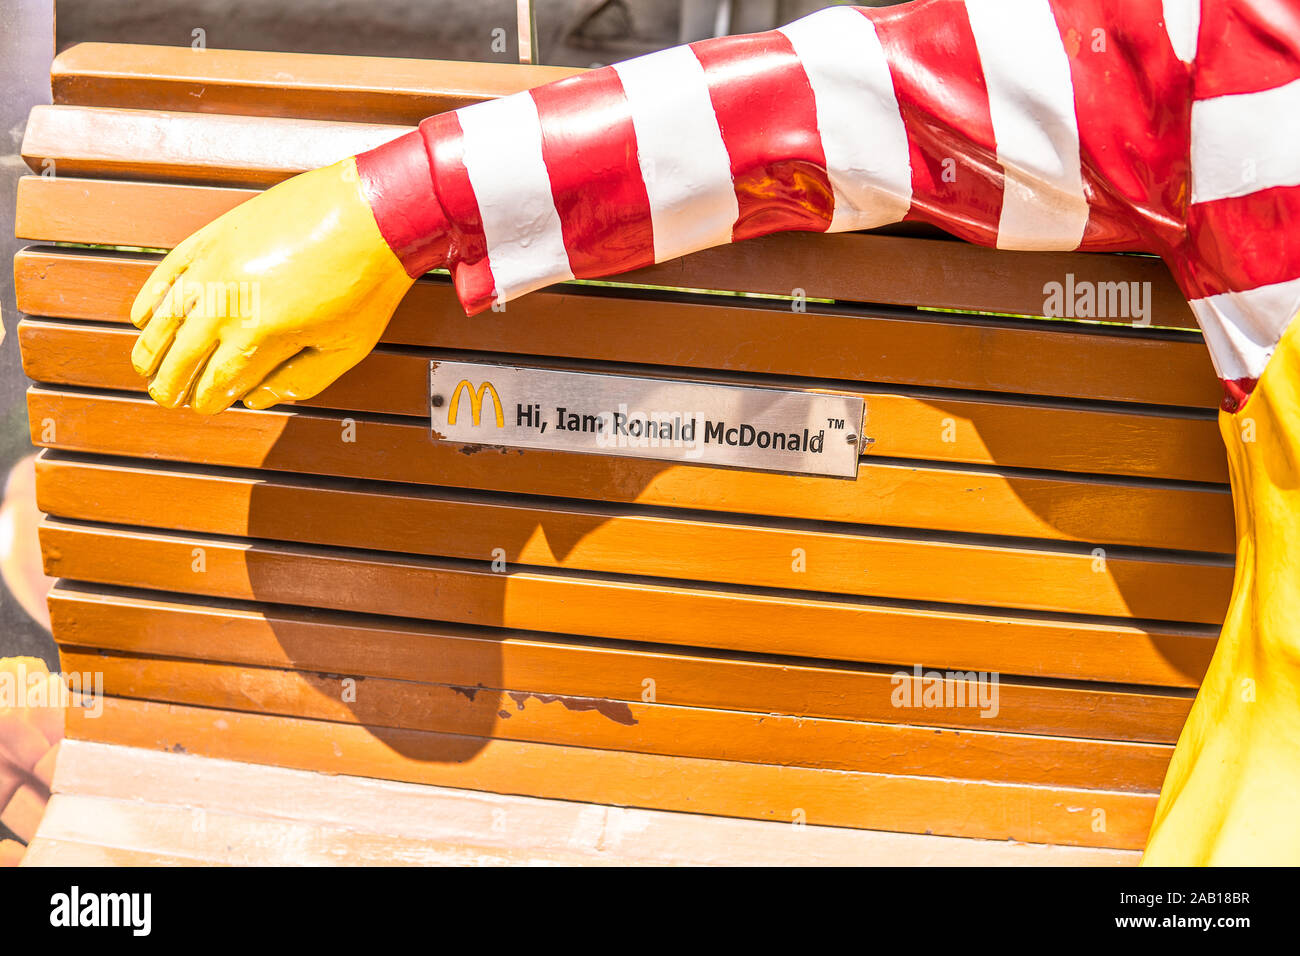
(270, 302)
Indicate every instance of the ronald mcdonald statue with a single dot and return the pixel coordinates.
(1177, 134)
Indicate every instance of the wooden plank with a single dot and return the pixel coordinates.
(189, 147)
(1184, 446)
(912, 498)
(467, 657)
(48, 851)
(858, 267)
(885, 495)
(100, 211)
(997, 433)
(308, 86)
(539, 715)
(309, 444)
(572, 538)
(829, 342)
(524, 823)
(210, 838)
(755, 791)
(755, 622)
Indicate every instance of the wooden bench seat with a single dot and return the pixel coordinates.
(360, 650)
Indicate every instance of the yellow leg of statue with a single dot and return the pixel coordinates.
(1232, 793)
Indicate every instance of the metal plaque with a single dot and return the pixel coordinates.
(738, 426)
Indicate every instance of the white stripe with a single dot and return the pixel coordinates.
(1245, 142)
(503, 157)
(861, 128)
(1243, 328)
(684, 162)
(1031, 103)
(1182, 23)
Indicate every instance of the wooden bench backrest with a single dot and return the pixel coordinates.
(1044, 500)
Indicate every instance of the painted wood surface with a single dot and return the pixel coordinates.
(728, 619)
(839, 342)
(494, 823)
(944, 806)
(518, 714)
(569, 537)
(960, 429)
(254, 83)
(147, 624)
(1049, 502)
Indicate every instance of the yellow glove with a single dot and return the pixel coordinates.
(272, 301)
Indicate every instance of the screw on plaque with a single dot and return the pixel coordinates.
(437, 401)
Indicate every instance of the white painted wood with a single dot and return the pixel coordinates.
(277, 815)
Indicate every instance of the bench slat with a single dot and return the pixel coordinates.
(280, 442)
(857, 267)
(202, 837)
(637, 727)
(984, 354)
(758, 791)
(190, 147)
(902, 427)
(885, 495)
(56, 851)
(661, 613)
(311, 86)
(154, 625)
(743, 552)
(465, 816)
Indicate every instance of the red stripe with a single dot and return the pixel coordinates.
(768, 118)
(1247, 46)
(397, 182)
(939, 82)
(1242, 243)
(1132, 102)
(1236, 392)
(470, 271)
(589, 147)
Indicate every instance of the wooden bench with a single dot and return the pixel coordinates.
(307, 649)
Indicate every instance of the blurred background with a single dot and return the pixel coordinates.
(570, 33)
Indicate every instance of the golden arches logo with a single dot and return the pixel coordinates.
(475, 402)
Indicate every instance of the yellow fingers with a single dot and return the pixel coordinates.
(195, 343)
(158, 286)
(302, 376)
(234, 370)
(278, 296)
(158, 335)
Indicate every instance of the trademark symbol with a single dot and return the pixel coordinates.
(834, 423)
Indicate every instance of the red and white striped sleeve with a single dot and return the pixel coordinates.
(1240, 263)
(1025, 124)
(1021, 124)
